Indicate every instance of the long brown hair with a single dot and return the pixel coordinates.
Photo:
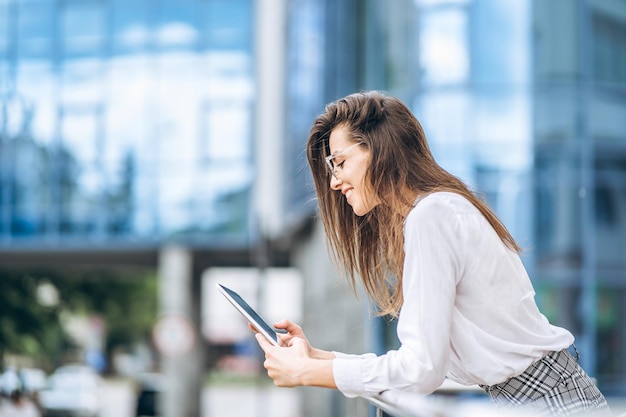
(401, 168)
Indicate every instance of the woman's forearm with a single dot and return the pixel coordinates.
(318, 373)
(321, 354)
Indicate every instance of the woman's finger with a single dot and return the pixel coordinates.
(291, 327)
(262, 341)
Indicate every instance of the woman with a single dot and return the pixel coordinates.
(432, 254)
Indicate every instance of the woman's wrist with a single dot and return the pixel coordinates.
(321, 354)
(317, 373)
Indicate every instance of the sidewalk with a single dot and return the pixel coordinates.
(231, 400)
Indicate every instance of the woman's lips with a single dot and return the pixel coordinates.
(348, 194)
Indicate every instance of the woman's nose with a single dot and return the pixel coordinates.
(335, 183)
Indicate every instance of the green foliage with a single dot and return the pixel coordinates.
(25, 325)
(125, 300)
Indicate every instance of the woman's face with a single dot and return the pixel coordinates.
(350, 168)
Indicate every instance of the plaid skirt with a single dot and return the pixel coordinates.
(555, 385)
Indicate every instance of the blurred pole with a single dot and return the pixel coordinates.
(587, 191)
(176, 334)
(270, 144)
(269, 135)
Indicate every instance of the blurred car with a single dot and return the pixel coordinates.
(72, 391)
(149, 388)
(10, 382)
(33, 380)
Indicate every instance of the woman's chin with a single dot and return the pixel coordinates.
(359, 210)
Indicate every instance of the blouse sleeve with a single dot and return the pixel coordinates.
(431, 270)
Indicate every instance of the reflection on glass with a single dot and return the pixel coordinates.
(133, 120)
(444, 46)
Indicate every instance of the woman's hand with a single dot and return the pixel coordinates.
(295, 362)
(293, 330)
(285, 364)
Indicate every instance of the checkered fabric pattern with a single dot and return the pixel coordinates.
(555, 385)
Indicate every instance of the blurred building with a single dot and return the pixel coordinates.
(125, 121)
(126, 126)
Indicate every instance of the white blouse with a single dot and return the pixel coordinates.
(469, 311)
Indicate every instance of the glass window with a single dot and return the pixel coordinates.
(176, 35)
(555, 111)
(145, 214)
(609, 63)
(227, 24)
(500, 42)
(82, 80)
(176, 125)
(36, 87)
(443, 46)
(172, 11)
(130, 22)
(610, 210)
(606, 116)
(83, 27)
(556, 36)
(306, 61)
(150, 138)
(5, 29)
(30, 180)
(445, 118)
(227, 132)
(128, 86)
(80, 136)
(502, 127)
(35, 30)
(432, 3)
(558, 208)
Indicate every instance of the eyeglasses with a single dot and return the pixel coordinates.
(332, 169)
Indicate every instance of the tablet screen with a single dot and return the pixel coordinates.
(249, 313)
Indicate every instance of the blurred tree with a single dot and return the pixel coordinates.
(26, 326)
(126, 300)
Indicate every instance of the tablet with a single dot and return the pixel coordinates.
(249, 313)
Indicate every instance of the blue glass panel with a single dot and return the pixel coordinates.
(501, 33)
(444, 46)
(609, 52)
(227, 24)
(83, 28)
(35, 30)
(35, 86)
(130, 23)
(177, 11)
(5, 30)
(149, 142)
(306, 60)
(177, 25)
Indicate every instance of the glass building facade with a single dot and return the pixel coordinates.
(131, 121)
(580, 174)
(526, 101)
(125, 121)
